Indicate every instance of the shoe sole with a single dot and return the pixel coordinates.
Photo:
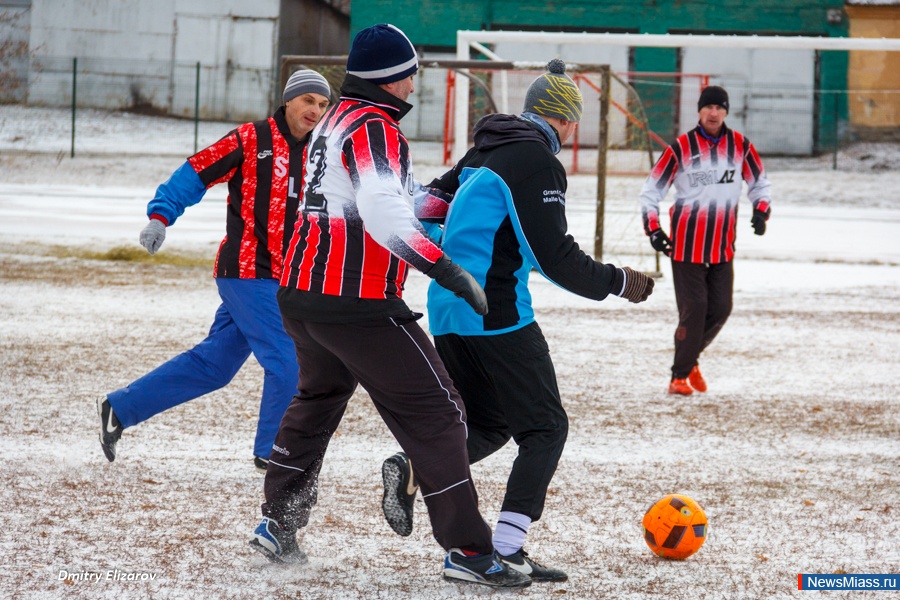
(455, 576)
(534, 577)
(302, 559)
(398, 515)
(698, 388)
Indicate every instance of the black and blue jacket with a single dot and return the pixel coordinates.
(506, 217)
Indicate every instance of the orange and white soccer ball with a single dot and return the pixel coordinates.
(675, 526)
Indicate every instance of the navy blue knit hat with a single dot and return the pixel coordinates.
(382, 54)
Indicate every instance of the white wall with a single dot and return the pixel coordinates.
(140, 52)
(770, 92)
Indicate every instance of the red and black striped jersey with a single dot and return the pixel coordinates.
(357, 232)
(708, 180)
(263, 165)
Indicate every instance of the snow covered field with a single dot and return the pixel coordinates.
(794, 452)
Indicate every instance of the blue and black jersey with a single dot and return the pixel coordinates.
(507, 217)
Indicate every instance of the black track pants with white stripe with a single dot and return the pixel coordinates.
(509, 386)
(398, 366)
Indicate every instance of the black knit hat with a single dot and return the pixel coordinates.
(382, 54)
(713, 94)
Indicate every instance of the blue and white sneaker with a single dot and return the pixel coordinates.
(486, 569)
(276, 543)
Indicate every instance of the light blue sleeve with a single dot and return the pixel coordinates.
(181, 190)
(433, 230)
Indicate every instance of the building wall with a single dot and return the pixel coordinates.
(144, 55)
(874, 77)
(15, 25)
(432, 24)
(311, 27)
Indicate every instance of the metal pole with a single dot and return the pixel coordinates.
(834, 156)
(196, 107)
(602, 142)
(74, 88)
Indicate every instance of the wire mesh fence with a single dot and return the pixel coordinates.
(647, 110)
(182, 89)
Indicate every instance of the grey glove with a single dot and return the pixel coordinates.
(638, 286)
(450, 275)
(153, 235)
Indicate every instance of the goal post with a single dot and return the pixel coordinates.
(613, 135)
(756, 113)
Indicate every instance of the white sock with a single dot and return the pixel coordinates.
(509, 535)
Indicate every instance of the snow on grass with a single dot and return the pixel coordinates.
(794, 453)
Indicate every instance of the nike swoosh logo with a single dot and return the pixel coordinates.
(110, 428)
(523, 568)
(411, 488)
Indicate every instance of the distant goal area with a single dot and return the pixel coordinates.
(790, 95)
(496, 86)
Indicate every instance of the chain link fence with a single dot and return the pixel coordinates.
(181, 89)
(780, 119)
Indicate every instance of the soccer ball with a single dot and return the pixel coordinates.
(675, 527)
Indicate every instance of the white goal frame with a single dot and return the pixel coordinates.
(466, 41)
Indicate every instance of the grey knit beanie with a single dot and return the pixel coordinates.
(305, 81)
(554, 94)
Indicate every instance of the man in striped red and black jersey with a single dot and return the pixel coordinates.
(262, 163)
(341, 299)
(707, 166)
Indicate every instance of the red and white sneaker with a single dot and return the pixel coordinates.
(680, 386)
(696, 379)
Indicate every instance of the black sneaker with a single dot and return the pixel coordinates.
(536, 571)
(110, 428)
(399, 493)
(260, 463)
(486, 569)
(276, 543)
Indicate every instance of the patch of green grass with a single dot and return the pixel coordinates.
(118, 253)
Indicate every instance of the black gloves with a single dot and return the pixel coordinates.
(450, 275)
(638, 286)
(661, 242)
(759, 221)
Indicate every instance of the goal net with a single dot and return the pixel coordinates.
(613, 144)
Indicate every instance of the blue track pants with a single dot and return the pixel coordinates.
(248, 320)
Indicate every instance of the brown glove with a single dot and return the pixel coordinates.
(638, 286)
